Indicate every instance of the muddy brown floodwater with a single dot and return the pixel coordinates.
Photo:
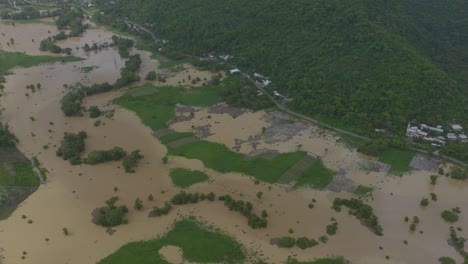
(72, 192)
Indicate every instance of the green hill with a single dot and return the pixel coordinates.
(359, 64)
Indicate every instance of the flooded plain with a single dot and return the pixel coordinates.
(71, 193)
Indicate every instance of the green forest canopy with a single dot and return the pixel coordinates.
(357, 63)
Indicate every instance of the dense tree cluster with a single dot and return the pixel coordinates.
(101, 156)
(71, 19)
(301, 242)
(94, 112)
(245, 208)
(123, 45)
(111, 215)
(458, 242)
(458, 151)
(161, 211)
(72, 146)
(240, 92)
(362, 211)
(360, 63)
(48, 45)
(128, 73)
(131, 161)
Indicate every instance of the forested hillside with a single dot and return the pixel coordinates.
(357, 63)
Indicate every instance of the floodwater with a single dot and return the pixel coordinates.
(70, 194)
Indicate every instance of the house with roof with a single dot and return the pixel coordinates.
(451, 137)
(463, 138)
(234, 71)
(456, 127)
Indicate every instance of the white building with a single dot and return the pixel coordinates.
(266, 82)
(457, 127)
(463, 138)
(431, 128)
(451, 136)
(413, 131)
(233, 71)
(258, 75)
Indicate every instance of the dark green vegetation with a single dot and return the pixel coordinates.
(71, 19)
(240, 92)
(123, 45)
(101, 156)
(156, 105)
(459, 173)
(220, 158)
(362, 64)
(131, 161)
(320, 261)
(17, 179)
(446, 260)
(72, 146)
(450, 216)
(8, 60)
(94, 112)
(302, 242)
(362, 211)
(398, 159)
(458, 151)
(245, 208)
(317, 176)
(362, 190)
(458, 243)
(184, 178)
(110, 215)
(198, 243)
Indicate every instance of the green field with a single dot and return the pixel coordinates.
(184, 178)
(175, 136)
(316, 176)
(166, 64)
(19, 173)
(8, 60)
(218, 157)
(156, 105)
(198, 243)
(398, 159)
(362, 190)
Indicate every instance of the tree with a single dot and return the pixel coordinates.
(138, 205)
(111, 202)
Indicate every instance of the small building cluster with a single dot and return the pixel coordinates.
(436, 135)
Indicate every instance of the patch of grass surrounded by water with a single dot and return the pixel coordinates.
(316, 176)
(198, 243)
(218, 157)
(398, 159)
(184, 178)
(156, 105)
(9, 60)
(19, 173)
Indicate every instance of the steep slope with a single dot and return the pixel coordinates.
(357, 63)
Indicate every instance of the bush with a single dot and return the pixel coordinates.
(161, 211)
(151, 76)
(446, 260)
(449, 216)
(304, 242)
(323, 239)
(131, 161)
(331, 228)
(434, 179)
(94, 112)
(101, 156)
(138, 205)
(286, 242)
(424, 202)
(65, 231)
(72, 147)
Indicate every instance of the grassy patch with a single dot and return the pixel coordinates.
(198, 243)
(218, 157)
(398, 159)
(19, 173)
(362, 190)
(156, 105)
(316, 176)
(5, 212)
(184, 178)
(88, 69)
(175, 136)
(8, 60)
